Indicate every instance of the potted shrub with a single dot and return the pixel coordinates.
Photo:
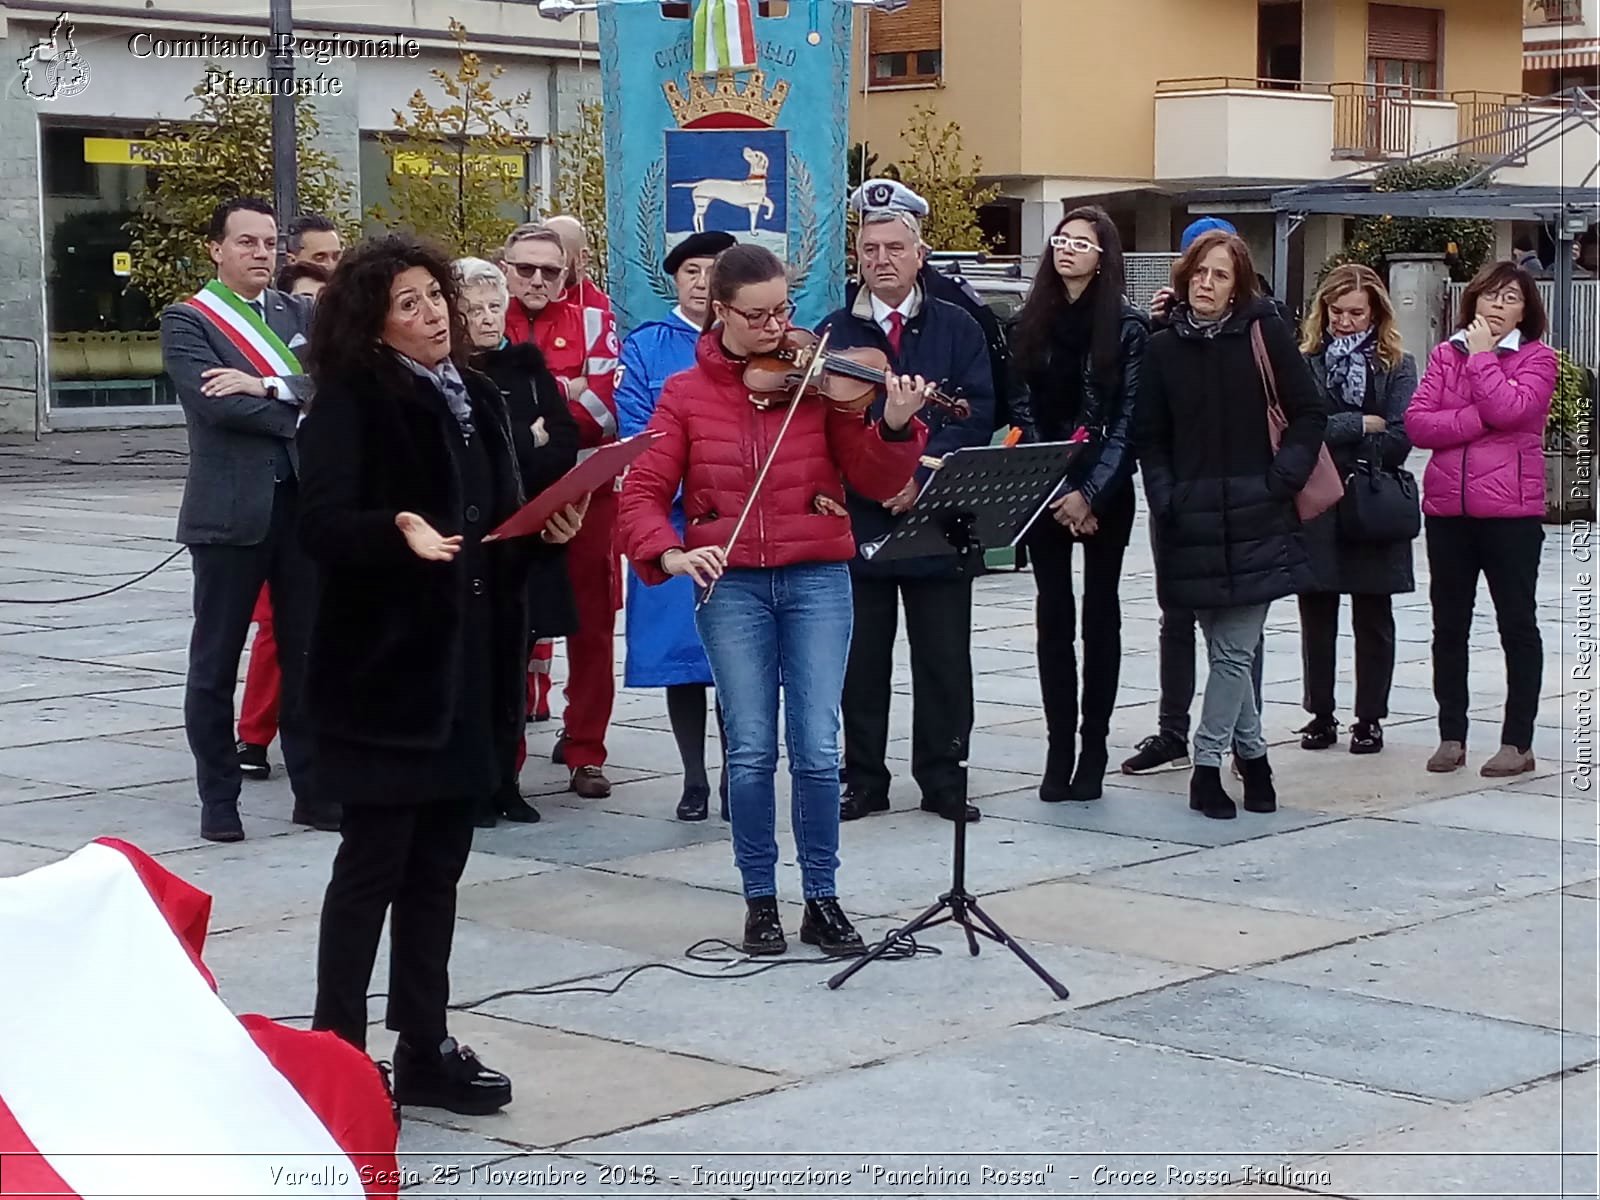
(1569, 446)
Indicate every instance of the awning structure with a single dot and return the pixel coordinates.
(1555, 56)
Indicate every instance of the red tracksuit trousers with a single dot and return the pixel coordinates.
(263, 681)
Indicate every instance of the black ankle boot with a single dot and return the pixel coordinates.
(1207, 797)
(1088, 781)
(763, 931)
(1259, 794)
(1056, 785)
(448, 1076)
(827, 928)
(510, 805)
(695, 803)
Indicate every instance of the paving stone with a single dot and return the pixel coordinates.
(167, 695)
(899, 859)
(1497, 811)
(24, 791)
(580, 837)
(1041, 1086)
(1533, 961)
(439, 1154)
(97, 642)
(1402, 1048)
(1366, 871)
(574, 1087)
(953, 995)
(71, 822)
(25, 678)
(96, 763)
(18, 859)
(1160, 927)
(1551, 783)
(1145, 813)
(68, 718)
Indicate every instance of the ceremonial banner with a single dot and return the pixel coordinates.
(695, 144)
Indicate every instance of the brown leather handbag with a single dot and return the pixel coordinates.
(1324, 488)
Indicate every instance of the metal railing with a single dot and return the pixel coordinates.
(39, 386)
(1492, 125)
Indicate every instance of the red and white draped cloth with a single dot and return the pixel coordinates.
(123, 1074)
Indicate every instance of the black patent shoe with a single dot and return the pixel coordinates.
(1260, 796)
(695, 804)
(1207, 797)
(950, 809)
(508, 803)
(856, 805)
(1318, 733)
(827, 928)
(1366, 737)
(448, 1076)
(220, 822)
(763, 930)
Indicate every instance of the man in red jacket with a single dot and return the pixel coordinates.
(579, 342)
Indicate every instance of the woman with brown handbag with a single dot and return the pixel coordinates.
(1224, 488)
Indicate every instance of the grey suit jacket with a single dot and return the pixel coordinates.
(235, 442)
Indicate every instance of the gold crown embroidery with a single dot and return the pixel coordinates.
(753, 100)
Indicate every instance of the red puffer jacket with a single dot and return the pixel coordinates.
(713, 443)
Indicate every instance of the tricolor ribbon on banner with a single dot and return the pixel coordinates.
(724, 36)
(245, 328)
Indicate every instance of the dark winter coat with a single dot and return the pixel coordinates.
(1222, 516)
(416, 669)
(945, 346)
(530, 392)
(1357, 568)
(1105, 467)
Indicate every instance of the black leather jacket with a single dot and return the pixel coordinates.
(1108, 464)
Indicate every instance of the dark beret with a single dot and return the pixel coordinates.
(698, 245)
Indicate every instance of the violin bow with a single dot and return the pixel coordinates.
(818, 358)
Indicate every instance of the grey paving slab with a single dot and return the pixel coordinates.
(23, 791)
(71, 822)
(952, 995)
(1533, 960)
(69, 718)
(1364, 870)
(18, 859)
(63, 558)
(1402, 1048)
(271, 967)
(101, 642)
(93, 763)
(578, 836)
(26, 678)
(900, 859)
(1086, 1098)
(1548, 781)
(166, 695)
(1497, 811)
(1144, 813)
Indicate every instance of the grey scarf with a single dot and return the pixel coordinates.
(450, 385)
(1348, 360)
(1205, 326)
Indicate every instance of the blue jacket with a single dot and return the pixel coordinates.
(945, 346)
(664, 647)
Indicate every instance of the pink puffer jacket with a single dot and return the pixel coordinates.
(1483, 417)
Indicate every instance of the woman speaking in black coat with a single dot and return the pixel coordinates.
(1223, 523)
(414, 680)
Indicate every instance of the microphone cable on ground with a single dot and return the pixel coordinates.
(97, 595)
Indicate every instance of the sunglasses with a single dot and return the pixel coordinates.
(530, 270)
(1081, 245)
(762, 316)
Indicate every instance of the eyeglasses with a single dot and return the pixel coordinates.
(1082, 245)
(1509, 296)
(530, 270)
(765, 316)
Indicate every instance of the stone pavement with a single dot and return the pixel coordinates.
(1387, 988)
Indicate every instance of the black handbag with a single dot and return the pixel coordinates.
(1380, 504)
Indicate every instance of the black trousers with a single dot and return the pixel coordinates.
(1176, 649)
(939, 630)
(1506, 552)
(406, 860)
(1372, 620)
(227, 581)
(1056, 620)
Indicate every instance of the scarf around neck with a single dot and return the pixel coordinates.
(1348, 361)
(449, 384)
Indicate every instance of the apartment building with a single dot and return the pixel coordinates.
(73, 115)
(1560, 46)
(1164, 109)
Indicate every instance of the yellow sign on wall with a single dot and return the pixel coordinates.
(121, 263)
(509, 166)
(135, 152)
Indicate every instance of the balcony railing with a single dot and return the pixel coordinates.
(1373, 121)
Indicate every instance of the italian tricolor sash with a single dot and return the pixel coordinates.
(250, 335)
(724, 36)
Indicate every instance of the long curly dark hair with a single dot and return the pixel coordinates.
(348, 319)
(1048, 297)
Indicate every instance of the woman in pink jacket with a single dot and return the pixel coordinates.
(1481, 408)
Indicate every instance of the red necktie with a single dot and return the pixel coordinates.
(897, 325)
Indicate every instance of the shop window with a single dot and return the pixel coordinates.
(376, 166)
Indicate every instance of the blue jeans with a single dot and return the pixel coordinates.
(762, 629)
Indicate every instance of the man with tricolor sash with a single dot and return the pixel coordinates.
(232, 352)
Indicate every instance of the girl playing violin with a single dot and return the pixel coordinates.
(780, 613)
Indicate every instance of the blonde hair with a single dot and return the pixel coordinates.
(1341, 281)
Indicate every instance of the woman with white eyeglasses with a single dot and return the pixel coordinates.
(1079, 345)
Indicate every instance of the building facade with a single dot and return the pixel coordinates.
(83, 86)
(1161, 110)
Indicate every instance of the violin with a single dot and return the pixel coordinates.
(849, 379)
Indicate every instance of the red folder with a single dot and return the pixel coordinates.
(597, 471)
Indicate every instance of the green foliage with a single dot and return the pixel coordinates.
(580, 189)
(1372, 239)
(225, 151)
(458, 172)
(936, 167)
(862, 165)
(1571, 407)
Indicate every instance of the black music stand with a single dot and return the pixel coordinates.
(982, 498)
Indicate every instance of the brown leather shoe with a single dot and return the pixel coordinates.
(1450, 756)
(1508, 760)
(590, 783)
